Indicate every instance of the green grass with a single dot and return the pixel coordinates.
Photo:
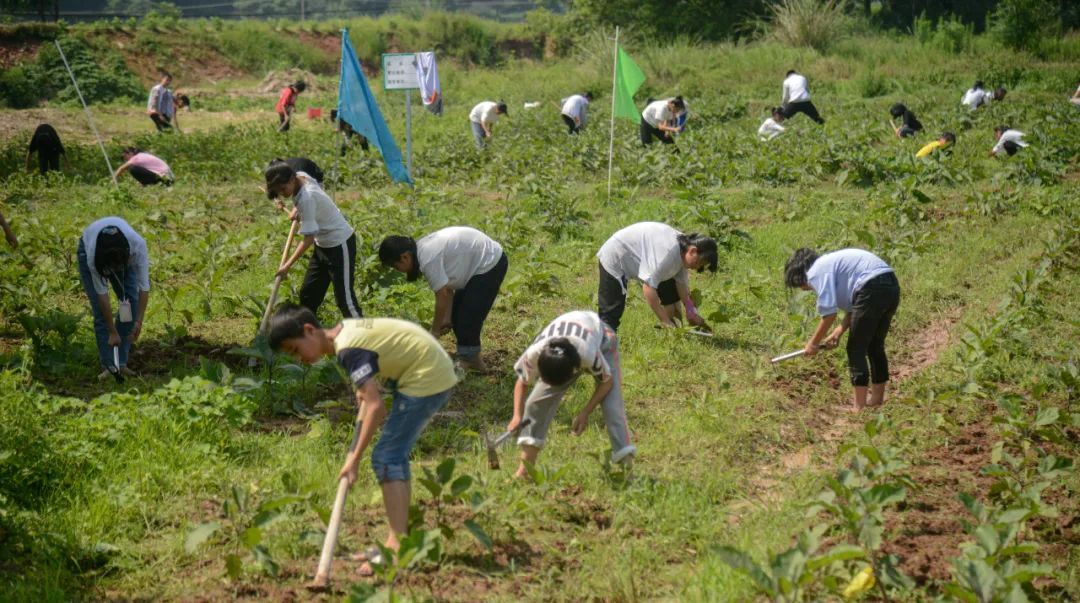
(714, 423)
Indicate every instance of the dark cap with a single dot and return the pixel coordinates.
(111, 251)
(277, 174)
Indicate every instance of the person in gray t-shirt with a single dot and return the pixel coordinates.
(865, 288)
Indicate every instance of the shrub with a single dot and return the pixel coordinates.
(813, 23)
(1022, 24)
(19, 86)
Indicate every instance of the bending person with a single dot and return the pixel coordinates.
(46, 143)
(656, 120)
(909, 124)
(796, 97)
(147, 169)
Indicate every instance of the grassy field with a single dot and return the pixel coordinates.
(101, 485)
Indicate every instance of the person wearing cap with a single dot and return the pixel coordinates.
(465, 268)
(147, 169)
(287, 102)
(574, 110)
(660, 257)
(324, 228)
(110, 252)
(482, 117)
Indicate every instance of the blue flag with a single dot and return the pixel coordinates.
(357, 107)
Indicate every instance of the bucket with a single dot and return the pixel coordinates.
(314, 112)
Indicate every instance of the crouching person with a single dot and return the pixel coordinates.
(409, 361)
(574, 343)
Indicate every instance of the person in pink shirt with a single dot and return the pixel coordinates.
(147, 169)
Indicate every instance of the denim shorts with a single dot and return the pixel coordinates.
(408, 417)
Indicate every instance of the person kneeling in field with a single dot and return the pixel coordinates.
(771, 128)
(1008, 140)
(909, 124)
(660, 257)
(865, 288)
(947, 139)
(324, 228)
(573, 343)
(404, 357)
(465, 268)
(145, 168)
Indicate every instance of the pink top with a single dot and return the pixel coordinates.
(152, 163)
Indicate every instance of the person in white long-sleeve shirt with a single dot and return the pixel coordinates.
(978, 96)
(1008, 140)
(796, 98)
(574, 111)
(771, 127)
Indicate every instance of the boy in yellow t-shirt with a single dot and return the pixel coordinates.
(410, 362)
(946, 139)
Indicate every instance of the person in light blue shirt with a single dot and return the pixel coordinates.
(865, 288)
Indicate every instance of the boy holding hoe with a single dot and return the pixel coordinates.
(409, 362)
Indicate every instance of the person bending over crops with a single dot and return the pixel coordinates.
(410, 363)
(946, 140)
(1008, 140)
(465, 268)
(8, 233)
(287, 103)
(482, 117)
(110, 252)
(909, 124)
(660, 257)
(796, 97)
(771, 128)
(324, 228)
(46, 143)
(145, 168)
(347, 133)
(978, 96)
(574, 111)
(574, 343)
(865, 288)
(656, 120)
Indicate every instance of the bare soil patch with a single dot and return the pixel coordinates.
(15, 52)
(919, 354)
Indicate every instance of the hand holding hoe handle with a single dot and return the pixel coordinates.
(322, 574)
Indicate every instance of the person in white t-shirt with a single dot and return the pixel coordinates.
(660, 257)
(574, 110)
(482, 117)
(796, 97)
(866, 289)
(333, 261)
(656, 120)
(1008, 140)
(771, 127)
(978, 96)
(464, 268)
(573, 344)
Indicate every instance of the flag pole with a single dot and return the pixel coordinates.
(611, 139)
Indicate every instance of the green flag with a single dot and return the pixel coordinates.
(628, 78)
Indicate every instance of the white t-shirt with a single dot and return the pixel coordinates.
(451, 256)
(657, 113)
(836, 277)
(138, 257)
(974, 98)
(584, 330)
(647, 252)
(319, 215)
(796, 89)
(575, 107)
(769, 129)
(485, 112)
(1009, 136)
(153, 102)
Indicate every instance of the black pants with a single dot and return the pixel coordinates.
(473, 303)
(48, 161)
(1011, 147)
(907, 131)
(161, 122)
(571, 124)
(335, 265)
(611, 297)
(871, 314)
(145, 177)
(648, 132)
(283, 122)
(806, 107)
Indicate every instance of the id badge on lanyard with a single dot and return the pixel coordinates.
(125, 310)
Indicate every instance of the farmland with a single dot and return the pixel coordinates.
(103, 486)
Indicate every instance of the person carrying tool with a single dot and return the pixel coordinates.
(324, 228)
(866, 289)
(407, 360)
(287, 103)
(909, 124)
(575, 343)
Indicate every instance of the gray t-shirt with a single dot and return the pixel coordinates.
(836, 277)
(647, 252)
(318, 214)
(138, 257)
(451, 256)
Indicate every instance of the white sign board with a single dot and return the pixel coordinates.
(399, 71)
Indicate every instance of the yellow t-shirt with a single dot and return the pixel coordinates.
(395, 351)
(930, 148)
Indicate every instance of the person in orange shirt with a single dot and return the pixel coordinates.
(286, 103)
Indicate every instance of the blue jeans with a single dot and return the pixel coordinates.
(408, 417)
(130, 292)
(478, 133)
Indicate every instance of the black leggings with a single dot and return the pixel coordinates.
(473, 303)
(648, 132)
(48, 161)
(806, 107)
(1011, 147)
(611, 297)
(335, 265)
(871, 315)
(571, 124)
(145, 177)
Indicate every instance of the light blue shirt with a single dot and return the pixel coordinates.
(837, 276)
